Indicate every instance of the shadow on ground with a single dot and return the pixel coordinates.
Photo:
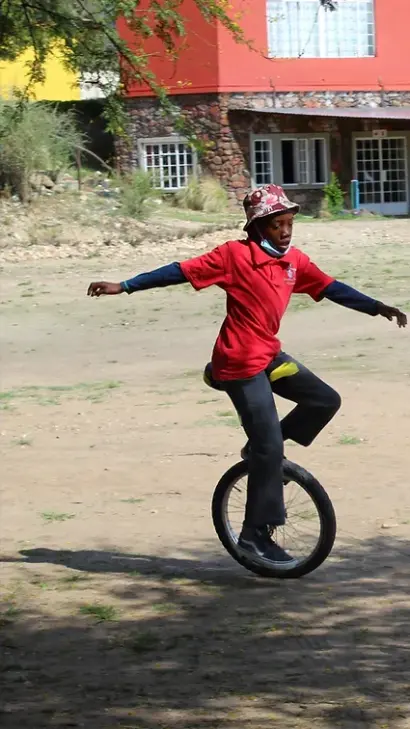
(201, 645)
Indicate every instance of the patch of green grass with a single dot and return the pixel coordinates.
(45, 401)
(163, 607)
(300, 303)
(131, 500)
(206, 401)
(24, 283)
(42, 585)
(144, 641)
(53, 516)
(73, 580)
(24, 441)
(8, 615)
(349, 440)
(99, 612)
(50, 395)
(169, 212)
(211, 589)
(229, 418)
(6, 406)
(231, 421)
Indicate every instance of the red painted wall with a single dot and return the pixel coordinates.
(214, 62)
(197, 67)
(241, 70)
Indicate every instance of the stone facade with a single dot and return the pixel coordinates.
(226, 121)
(320, 99)
(208, 116)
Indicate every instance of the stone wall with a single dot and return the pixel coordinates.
(319, 99)
(208, 115)
(217, 119)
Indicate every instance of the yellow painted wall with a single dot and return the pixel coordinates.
(60, 84)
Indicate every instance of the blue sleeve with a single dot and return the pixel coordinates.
(164, 276)
(345, 295)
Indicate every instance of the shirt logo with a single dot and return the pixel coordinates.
(290, 274)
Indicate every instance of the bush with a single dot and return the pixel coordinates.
(334, 196)
(190, 197)
(205, 194)
(34, 137)
(136, 191)
(214, 196)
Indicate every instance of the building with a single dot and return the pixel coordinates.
(60, 84)
(323, 91)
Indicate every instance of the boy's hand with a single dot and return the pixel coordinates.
(104, 288)
(390, 313)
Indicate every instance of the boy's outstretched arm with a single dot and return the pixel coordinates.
(311, 280)
(202, 271)
(165, 276)
(341, 293)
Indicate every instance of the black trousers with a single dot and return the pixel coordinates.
(316, 404)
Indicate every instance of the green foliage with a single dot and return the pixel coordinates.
(136, 192)
(34, 137)
(334, 196)
(205, 194)
(190, 196)
(87, 33)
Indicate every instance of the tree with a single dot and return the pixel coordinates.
(90, 44)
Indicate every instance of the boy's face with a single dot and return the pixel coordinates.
(278, 229)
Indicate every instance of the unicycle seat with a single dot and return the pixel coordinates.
(209, 378)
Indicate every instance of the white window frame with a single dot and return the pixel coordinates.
(142, 144)
(276, 158)
(320, 29)
(260, 138)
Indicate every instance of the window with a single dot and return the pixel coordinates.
(305, 28)
(290, 160)
(263, 161)
(171, 162)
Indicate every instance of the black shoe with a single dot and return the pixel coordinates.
(258, 544)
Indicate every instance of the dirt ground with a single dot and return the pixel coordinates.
(118, 606)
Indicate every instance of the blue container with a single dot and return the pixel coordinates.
(355, 195)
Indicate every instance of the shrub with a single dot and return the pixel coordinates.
(190, 196)
(136, 191)
(334, 196)
(214, 196)
(205, 194)
(34, 137)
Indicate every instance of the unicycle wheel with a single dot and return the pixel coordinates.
(310, 529)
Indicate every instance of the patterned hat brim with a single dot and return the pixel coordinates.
(276, 209)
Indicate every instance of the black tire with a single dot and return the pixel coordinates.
(311, 486)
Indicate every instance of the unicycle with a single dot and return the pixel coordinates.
(310, 529)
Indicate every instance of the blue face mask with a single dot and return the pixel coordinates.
(271, 250)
